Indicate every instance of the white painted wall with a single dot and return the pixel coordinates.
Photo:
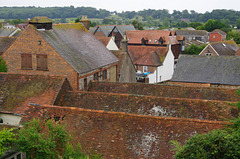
(164, 72)
(9, 119)
(112, 45)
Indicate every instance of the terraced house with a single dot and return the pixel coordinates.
(62, 49)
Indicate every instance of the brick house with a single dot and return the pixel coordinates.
(217, 35)
(63, 49)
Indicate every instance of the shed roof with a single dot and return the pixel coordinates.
(208, 69)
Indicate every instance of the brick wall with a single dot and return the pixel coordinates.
(121, 135)
(150, 105)
(208, 93)
(28, 42)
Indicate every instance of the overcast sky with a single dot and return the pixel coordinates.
(200, 6)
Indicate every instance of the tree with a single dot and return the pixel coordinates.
(194, 49)
(50, 140)
(77, 20)
(3, 66)
(238, 23)
(7, 138)
(195, 24)
(216, 144)
(137, 25)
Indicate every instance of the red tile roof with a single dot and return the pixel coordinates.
(152, 36)
(147, 55)
(104, 40)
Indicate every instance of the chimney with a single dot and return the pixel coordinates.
(124, 44)
(85, 21)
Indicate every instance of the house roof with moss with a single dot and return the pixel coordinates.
(18, 90)
(40, 20)
(225, 48)
(78, 47)
(222, 70)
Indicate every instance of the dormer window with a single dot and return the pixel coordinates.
(208, 54)
(155, 41)
(161, 41)
(150, 40)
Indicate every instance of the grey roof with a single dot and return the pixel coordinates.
(192, 32)
(208, 69)
(225, 48)
(6, 32)
(123, 28)
(79, 48)
(92, 29)
(5, 43)
(106, 29)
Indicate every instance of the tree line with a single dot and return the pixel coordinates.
(230, 16)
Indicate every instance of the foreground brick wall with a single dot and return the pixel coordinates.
(223, 94)
(150, 105)
(121, 135)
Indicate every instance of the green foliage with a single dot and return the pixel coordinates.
(77, 20)
(42, 140)
(216, 144)
(238, 23)
(234, 35)
(16, 21)
(137, 25)
(195, 25)
(109, 21)
(7, 138)
(194, 49)
(211, 25)
(3, 66)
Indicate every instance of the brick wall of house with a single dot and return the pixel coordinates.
(99, 34)
(214, 37)
(28, 42)
(151, 105)
(171, 91)
(121, 135)
(176, 49)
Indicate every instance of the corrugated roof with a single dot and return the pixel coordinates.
(192, 32)
(225, 48)
(79, 48)
(5, 43)
(208, 69)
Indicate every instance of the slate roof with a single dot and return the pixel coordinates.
(147, 55)
(5, 43)
(225, 48)
(8, 32)
(123, 28)
(17, 90)
(153, 36)
(208, 69)
(107, 29)
(78, 47)
(192, 32)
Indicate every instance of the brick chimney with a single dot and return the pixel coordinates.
(124, 44)
(85, 21)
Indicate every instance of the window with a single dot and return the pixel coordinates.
(26, 61)
(95, 78)
(208, 54)
(214, 36)
(104, 74)
(42, 62)
(85, 84)
(19, 156)
(144, 68)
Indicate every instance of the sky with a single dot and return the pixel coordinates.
(200, 6)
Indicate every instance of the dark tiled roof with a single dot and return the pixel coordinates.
(79, 48)
(147, 55)
(123, 28)
(17, 90)
(106, 29)
(207, 69)
(192, 32)
(153, 36)
(225, 48)
(5, 43)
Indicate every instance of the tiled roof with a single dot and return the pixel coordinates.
(152, 37)
(238, 52)
(123, 28)
(147, 55)
(192, 32)
(208, 69)
(79, 48)
(40, 20)
(5, 43)
(219, 31)
(104, 40)
(17, 90)
(107, 29)
(8, 32)
(225, 48)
